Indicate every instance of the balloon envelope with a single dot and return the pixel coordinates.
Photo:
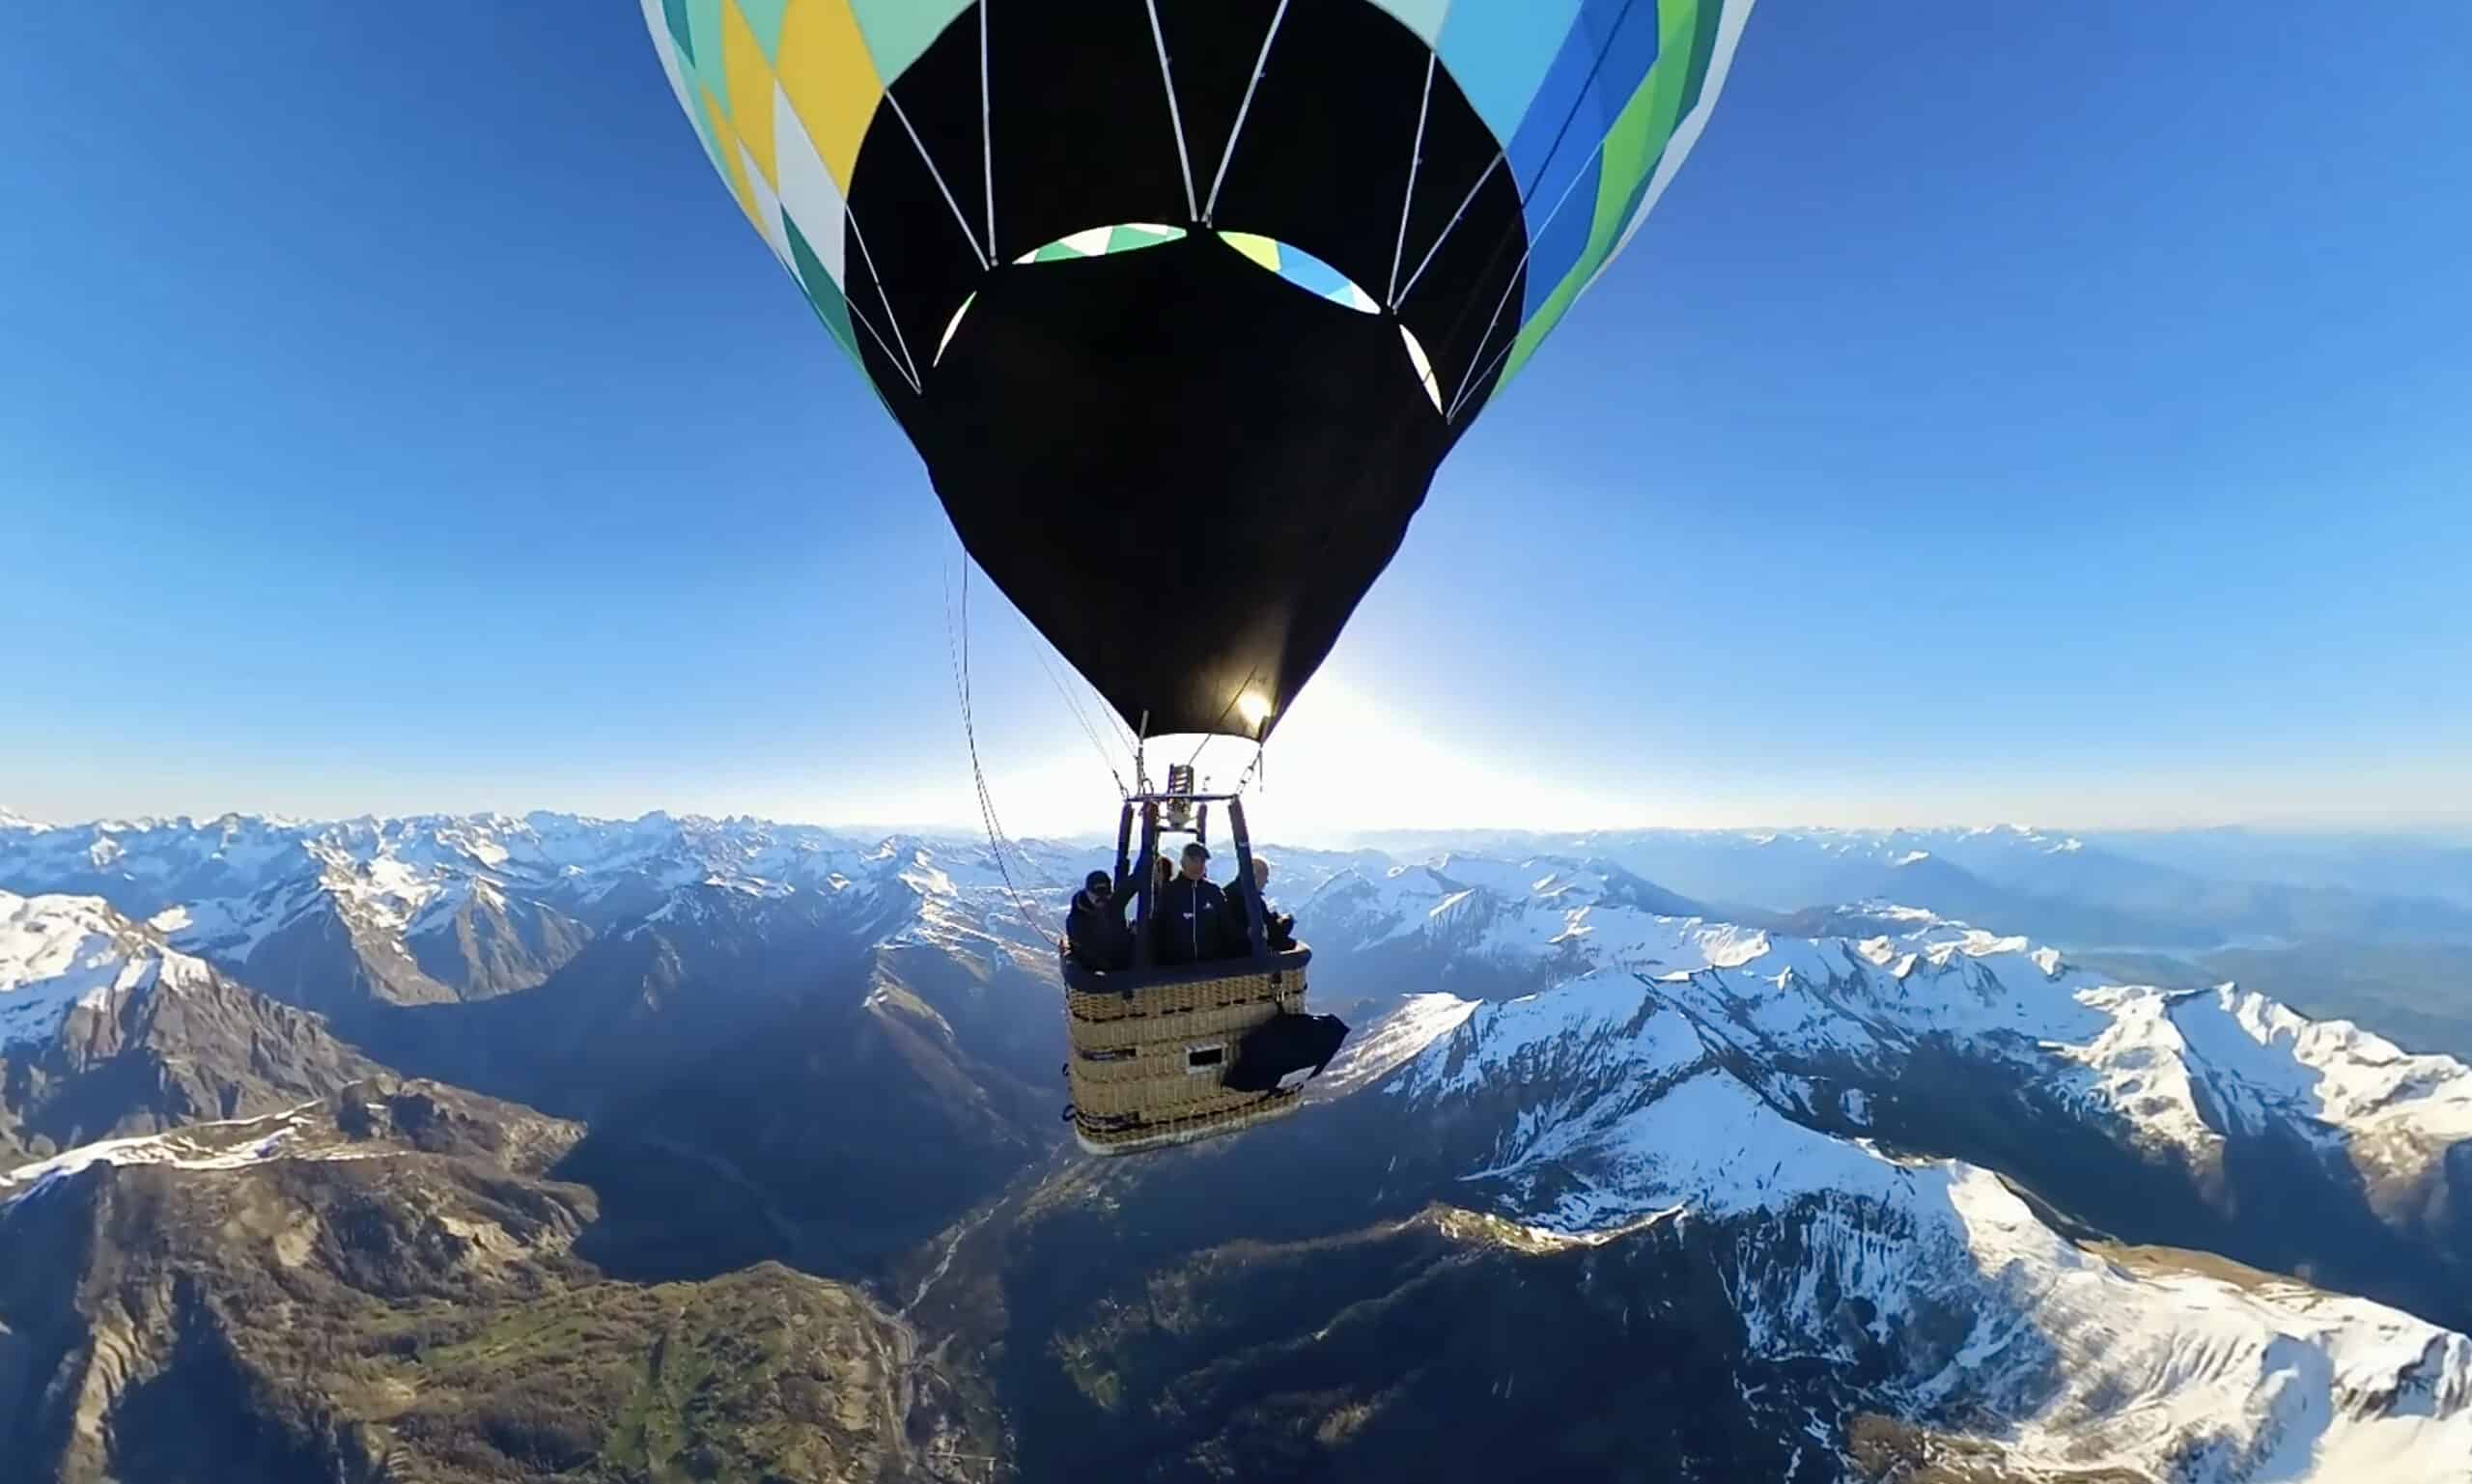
(1183, 301)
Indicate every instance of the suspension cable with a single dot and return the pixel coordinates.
(1261, 751)
(1224, 712)
(1038, 647)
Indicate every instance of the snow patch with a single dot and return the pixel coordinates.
(59, 953)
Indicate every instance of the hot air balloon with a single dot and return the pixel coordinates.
(1182, 302)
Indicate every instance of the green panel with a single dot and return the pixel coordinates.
(897, 31)
(823, 294)
(1532, 334)
(1638, 139)
(1123, 238)
(1126, 239)
(764, 18)
(1703, 51)
(1632, 149)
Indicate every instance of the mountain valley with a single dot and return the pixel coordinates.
(737, 1143)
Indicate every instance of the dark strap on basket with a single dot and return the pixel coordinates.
(1284, 1053)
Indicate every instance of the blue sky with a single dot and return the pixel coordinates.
(2013, 410)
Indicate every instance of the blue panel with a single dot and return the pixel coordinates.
(1628, 37)
(1302, 268)
(1559, 249)
(1499, 50)
(1608, 55)
(1533, 147)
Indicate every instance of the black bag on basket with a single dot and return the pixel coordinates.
(1284, 1052)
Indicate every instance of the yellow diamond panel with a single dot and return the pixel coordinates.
(830, 83)
(750, 85)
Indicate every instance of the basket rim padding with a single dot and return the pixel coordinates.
(1116, 981)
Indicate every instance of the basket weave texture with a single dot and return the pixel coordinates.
(1133, 1072)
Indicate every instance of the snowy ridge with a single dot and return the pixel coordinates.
(1621, 1115)
(1624, 1111)
(1685, 1077)
(2180, 1068)
(1393, 1041)
(58, 953)
(237, 886)
(231, 1144)
(1582, 912)
(2134, 1360)
(2176, 1069)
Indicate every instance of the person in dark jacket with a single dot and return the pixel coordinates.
(1191, 914)
(1279, 928)
(1095, 925)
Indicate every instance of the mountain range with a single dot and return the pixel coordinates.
(1787, 1156)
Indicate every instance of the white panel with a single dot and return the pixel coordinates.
(767, 213)
(807, 192)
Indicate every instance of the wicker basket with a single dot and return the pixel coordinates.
(1146, 1065)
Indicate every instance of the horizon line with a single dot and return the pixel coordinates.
(10, 819)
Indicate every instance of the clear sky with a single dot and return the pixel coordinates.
(2015, 410)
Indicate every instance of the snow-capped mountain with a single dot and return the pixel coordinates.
(59, 953)
(106, 1030)
(2079, 892)
(2172, 1116)
(1908, 1191)
(1646, 1108)
(340, 915)
(1844, 1198)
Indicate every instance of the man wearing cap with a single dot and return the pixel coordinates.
(1095, 927)
(1191, 914)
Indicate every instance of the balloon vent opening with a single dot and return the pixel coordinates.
(1099, 241)
(1323, 280)
(1416, 359)
(1303, 269)
(955, 322)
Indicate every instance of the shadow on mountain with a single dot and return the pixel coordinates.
(631, 1009)
(833, 1140)
(1291, 1305)
(1404, 1351)
(197, 1419)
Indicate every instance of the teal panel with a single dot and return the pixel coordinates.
(1423, 17)
(823, 294)
(897, 31)
(764, 18)
(704, 23)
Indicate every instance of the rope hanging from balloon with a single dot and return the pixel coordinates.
(995, 841)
